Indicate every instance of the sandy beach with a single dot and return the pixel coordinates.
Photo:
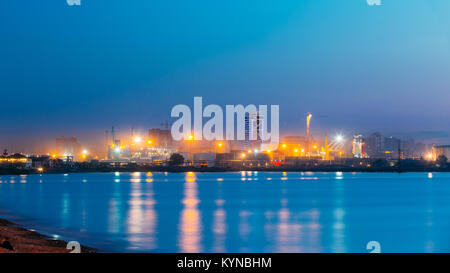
(27, 241)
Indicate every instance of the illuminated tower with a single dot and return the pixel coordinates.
(308, 122)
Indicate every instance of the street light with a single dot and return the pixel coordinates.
(339, 138)
(137, 139)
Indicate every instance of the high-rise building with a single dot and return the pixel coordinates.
(359, 147)
(160, 138)
(247, 131)
(375, 145)
(391, 144)
(254, 133)
(257, 122)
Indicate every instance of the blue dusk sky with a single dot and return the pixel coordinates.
(78, 70)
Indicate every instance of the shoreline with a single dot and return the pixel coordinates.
(25, 240)
(224, 170)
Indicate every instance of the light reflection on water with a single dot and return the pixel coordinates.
(236, 212)
(190, 227)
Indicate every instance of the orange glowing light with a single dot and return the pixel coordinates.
(149, 142)
(283, 146)
(220, 144)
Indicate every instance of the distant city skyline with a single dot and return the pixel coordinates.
(78, 70)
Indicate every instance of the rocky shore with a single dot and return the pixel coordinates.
(27, 241)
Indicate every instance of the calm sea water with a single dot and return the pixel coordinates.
(236, 212)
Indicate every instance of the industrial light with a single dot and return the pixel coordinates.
(85, 152)
(137, 139)
(339, 138)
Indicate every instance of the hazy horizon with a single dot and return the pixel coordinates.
(78, 70)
